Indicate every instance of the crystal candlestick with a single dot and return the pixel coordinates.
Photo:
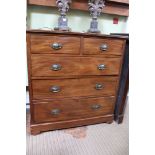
(63, 6)
(95, 8)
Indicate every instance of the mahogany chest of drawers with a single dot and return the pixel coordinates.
(73, 78)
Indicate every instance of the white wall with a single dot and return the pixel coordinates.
(39, 16)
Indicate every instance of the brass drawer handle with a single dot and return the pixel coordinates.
(56, 46)
(99, 86)
(55, 89)
(95, 106)
(55, 111)
(103, 47)
(56, 67)
(101, 67)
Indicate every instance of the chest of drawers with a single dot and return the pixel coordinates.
(73, 78)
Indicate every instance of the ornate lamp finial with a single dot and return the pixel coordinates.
(63, 6)
(95, 8)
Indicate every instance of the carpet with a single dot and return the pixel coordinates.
(99, 139)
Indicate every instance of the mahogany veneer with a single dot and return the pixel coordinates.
(42, 44)
(73, 78)
(77, 87)
(41, 65)
(42, 110)
(114, 48)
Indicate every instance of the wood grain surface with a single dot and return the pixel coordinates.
(72, 109)
(42, 44)
(119, 1)
(76, 79)
(74, 87)
(37, 128)
(42, 65)
(115, 7)
(92, 46)
(74, 34)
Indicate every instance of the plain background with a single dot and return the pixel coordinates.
(13, 77)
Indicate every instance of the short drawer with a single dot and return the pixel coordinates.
(70, 109)
(55, 44)
(93, 86)
(97, 46)
(47, 65)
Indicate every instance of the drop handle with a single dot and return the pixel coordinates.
(103, 47)
(95, 106)
(55, 111)
(56, 46)
(55, 89)
(101, 66)
(56, 67)
(99, 86)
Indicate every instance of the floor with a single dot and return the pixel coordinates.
(100, 139)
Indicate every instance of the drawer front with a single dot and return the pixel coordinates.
(67, 109)
(96, 46)
(47, 65)
(98, 86)
(55, 44)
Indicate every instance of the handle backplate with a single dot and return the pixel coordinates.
(55, 89)
(101, 66)
(95, 106)
(99, 86)
(56, 67)
(56, 46)
(104, 47)
(55, 111)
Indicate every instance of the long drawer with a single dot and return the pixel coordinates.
(55, 44)
(96, 86)
(69, 109)
(48, 65)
